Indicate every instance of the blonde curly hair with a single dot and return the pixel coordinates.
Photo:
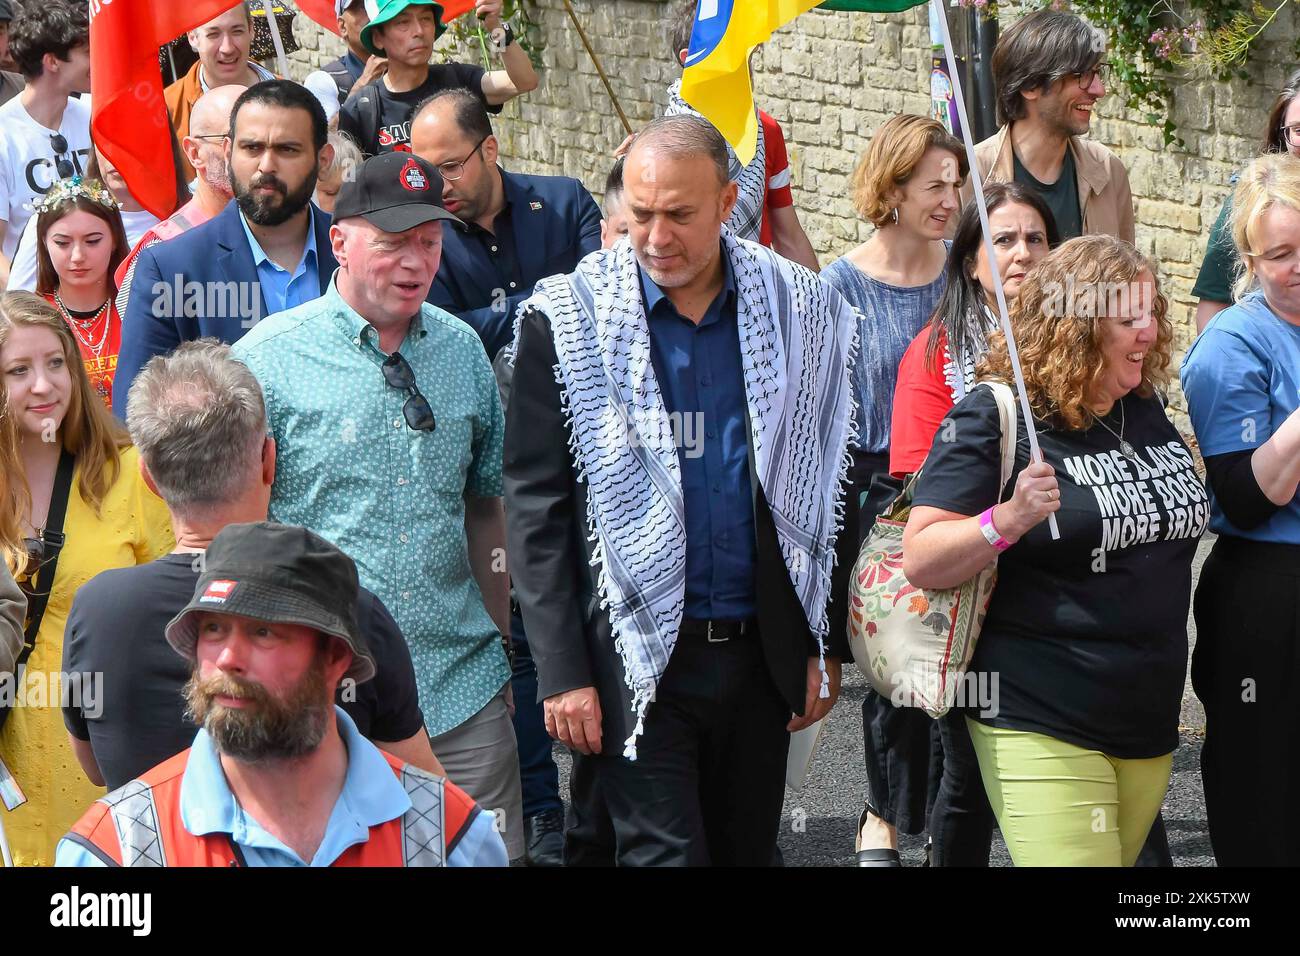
(1057, 321)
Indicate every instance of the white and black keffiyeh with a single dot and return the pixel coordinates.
(747, 217)
(798, 339)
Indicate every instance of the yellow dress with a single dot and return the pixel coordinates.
(132, 528)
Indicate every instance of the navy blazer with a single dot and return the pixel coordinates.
(555, 223)
(202, 283)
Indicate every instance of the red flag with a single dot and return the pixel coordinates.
(128, 113)
(323, 12)
(451, 9)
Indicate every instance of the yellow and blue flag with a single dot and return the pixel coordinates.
(716, 78)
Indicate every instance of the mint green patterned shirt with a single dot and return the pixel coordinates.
(350, 469)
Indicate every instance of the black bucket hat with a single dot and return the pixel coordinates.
(277, 573)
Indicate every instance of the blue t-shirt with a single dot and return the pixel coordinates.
(1242, 380)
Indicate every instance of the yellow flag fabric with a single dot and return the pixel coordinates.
(716, 78)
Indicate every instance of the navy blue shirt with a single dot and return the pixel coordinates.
(703, 385)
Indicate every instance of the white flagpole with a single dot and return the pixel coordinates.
(1012, 352)
(281, 61)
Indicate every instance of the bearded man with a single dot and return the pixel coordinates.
(278, 775)
(266, 252)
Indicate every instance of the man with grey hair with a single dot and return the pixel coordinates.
(199, 422)
(704, 398)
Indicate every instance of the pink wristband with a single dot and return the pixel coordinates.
(991, 533)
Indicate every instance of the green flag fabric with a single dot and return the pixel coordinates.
(872, 6)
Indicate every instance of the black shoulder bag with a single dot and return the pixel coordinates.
(38, 586)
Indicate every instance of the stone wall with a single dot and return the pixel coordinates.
(833, 78)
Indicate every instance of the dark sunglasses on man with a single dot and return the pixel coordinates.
(399, 375)
(61, 161)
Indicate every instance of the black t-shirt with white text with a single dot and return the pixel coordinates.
(393, 133)
(1086, 637)
(116, 629)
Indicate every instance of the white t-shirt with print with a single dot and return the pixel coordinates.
(27, 161)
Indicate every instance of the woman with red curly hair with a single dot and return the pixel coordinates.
(1085, 641)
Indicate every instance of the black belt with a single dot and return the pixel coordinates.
(718, 632)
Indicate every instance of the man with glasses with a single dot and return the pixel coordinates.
(222, 45)
(205, 148)
(514, 229)
(1049, 73)
(388, 431)
(44, 131)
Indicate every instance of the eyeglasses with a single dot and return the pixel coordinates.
(61, 162)
(454, 170)
(1292, 135)
(209, 136)
(399, 375)
(1100, 71)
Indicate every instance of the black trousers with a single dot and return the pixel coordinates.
(709, 779)
(961, 820)
(1246, 671)
(900, 745)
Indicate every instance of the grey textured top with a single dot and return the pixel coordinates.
(13, 608)
(891, 318)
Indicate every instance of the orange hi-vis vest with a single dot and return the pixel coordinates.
(140, 824)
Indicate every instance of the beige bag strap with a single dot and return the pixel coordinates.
(1009, 419)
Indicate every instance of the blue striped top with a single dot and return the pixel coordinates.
(891, 318)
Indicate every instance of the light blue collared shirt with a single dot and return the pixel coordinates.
(371, 795)
(280, 289)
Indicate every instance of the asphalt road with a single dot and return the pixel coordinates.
(818, 823)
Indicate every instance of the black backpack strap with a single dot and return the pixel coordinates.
(42, 581)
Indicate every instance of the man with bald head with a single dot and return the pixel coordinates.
(204, 149)
(514, 228)
(223, 45)
(703, 396)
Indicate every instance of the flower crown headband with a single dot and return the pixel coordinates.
(73, 187)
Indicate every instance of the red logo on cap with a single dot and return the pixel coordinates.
(413, 178)
(217, 591)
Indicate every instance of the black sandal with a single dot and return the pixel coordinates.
(876, 856)
(879, 856)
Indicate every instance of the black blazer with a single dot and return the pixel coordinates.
(555, 223)
(202, 283)
(546, 531)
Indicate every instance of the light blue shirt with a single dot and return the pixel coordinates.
(280, 289)
(371, 795)
(393, 499)
(1241, 378)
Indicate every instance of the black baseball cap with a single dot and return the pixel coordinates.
(394, 191)
(6, 11)
(277, 573)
